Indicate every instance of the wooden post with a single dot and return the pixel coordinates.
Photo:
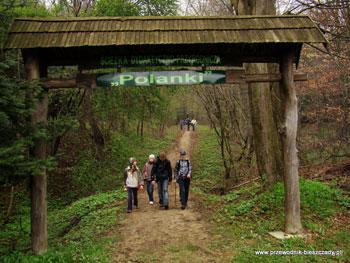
(288, 132)
(38, 179)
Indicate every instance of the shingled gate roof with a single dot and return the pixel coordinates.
(120, 31)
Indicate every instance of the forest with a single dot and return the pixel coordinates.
(237, 193)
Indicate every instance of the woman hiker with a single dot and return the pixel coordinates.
(183, 176)
(148, 180)
(162, 174)
(133, 177)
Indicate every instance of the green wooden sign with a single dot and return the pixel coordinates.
(161, 60)
(161, 78)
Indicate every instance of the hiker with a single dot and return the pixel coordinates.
(183, 176)
(188, 123)
(162, 174)
(148, 180)
(133, 178)
(193, 123)
(182, 124)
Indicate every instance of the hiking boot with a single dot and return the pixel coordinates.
(161, 205)
(183, 207)
(136, 207)
(166, 207)
(129, 211)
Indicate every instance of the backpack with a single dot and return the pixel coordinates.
(178, 164)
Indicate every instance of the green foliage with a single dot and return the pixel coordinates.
(314, 196)
(73, 231)
(87, 173)
(114, 8)
(31, 9)
(207, 157)
(17, 132)
(128, 107)
(245, 216)
(135, 8)
(10, 9)
(157, 7)
(89, 252)
(87, 217)
(91, 174)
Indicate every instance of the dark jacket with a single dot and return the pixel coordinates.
(161, 170)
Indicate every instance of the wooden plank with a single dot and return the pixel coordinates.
(59, 83)
(236, 76)
(81, 81)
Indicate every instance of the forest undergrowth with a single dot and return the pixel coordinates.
(85, 200)
(244, 216)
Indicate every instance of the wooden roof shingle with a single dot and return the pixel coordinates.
(116, 31)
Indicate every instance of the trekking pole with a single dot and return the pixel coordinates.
(175, 194)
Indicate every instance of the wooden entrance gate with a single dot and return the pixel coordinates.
(87, 42)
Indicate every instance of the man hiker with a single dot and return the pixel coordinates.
(162, 174)
(188, 123)
(183, 176)
(193, 123)
(148, 180)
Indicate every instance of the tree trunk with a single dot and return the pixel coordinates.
(143, 117)
(289, 118)
(266, 138)
(267, 144)
(142, 124)
(97, 134)
(38, 180)
(288, 131)
(9, 209)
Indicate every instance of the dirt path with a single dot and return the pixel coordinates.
(152, 234)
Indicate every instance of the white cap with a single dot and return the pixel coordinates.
(151, 156)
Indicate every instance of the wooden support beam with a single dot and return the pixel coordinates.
(239, 77)
(288, 130)
(60, 83)
(82, 81)
(38, 178)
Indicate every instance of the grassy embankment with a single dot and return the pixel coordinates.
(77, 220)
(243, 217)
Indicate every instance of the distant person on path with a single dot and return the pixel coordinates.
(182, 124)
(148, 180)
(133, 177)
(183, 176)
(188, 123)
(193, 123)
(162, 174)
